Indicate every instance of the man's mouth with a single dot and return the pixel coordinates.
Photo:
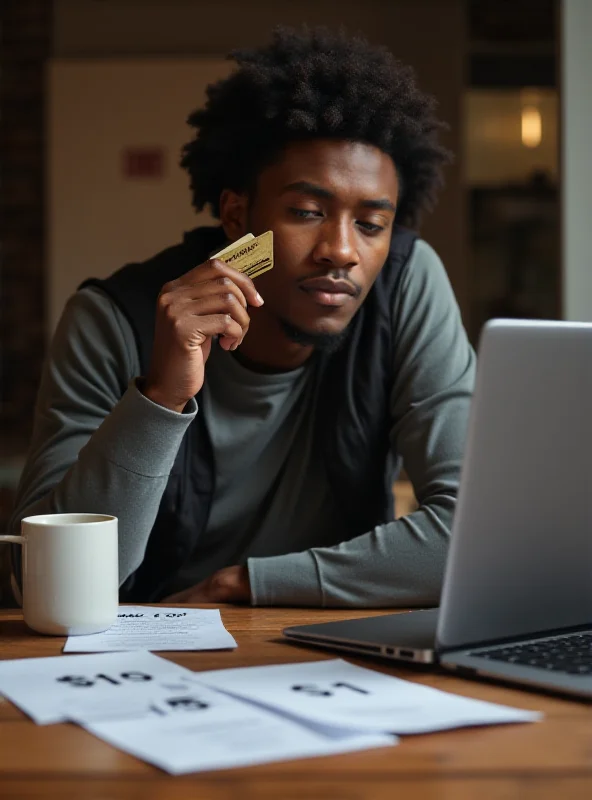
(329, 291)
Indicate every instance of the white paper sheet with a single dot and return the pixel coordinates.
(42, 687)
(139, 700)
(202, 729)
(337, 693)
(159, 629)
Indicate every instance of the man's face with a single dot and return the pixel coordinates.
(331, 206)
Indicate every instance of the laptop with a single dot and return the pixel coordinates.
(516, 601)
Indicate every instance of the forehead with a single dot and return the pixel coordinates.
(350, 170)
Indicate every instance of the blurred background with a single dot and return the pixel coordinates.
(93, 100)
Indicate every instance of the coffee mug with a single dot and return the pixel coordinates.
(70, 572)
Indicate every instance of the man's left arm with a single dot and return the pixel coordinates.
(399, 563)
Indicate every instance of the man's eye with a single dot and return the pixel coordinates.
(305, 213)
(371, 227)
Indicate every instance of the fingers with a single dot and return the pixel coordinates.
(214, 305)
(219, 285)
(226, 303)
(193, 331)
(216, 270)
(179, 597)
(215, 315)
(194, 594)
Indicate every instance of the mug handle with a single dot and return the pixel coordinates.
(14, 539)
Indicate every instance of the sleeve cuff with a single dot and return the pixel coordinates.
(290, 580)
(141, 436)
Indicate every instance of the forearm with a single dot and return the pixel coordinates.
(399, 564)
(121, 470)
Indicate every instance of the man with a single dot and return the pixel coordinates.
(246, 436)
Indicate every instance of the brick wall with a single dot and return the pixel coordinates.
(25, 41)
(25, 31)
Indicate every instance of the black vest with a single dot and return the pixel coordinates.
(352, 419)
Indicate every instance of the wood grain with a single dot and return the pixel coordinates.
(549, 759)
(230, 787)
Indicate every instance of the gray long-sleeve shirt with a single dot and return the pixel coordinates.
(99, 445)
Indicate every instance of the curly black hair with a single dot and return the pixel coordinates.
(315, 83)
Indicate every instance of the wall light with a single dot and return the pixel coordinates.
(532, 126)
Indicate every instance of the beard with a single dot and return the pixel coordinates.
(325, 342)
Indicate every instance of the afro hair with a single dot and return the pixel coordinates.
(315, 84)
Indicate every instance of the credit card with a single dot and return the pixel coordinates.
(252, 255)
(247, 237)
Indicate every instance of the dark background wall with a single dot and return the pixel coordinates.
(25, 44)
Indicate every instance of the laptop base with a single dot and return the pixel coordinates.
(407, 636)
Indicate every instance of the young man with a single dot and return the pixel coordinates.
(246, 436)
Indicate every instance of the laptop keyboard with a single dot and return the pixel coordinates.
(571, 654)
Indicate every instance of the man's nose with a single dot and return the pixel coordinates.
(336, 246)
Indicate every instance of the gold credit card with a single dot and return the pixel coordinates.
(252, 255)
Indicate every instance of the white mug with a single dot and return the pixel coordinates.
(70, 572)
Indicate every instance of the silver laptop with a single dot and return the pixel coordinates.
(516, 602)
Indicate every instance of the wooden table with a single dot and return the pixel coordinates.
(546, 760)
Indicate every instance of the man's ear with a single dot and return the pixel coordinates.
(233, 213)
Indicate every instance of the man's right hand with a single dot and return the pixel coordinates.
(210, 300)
